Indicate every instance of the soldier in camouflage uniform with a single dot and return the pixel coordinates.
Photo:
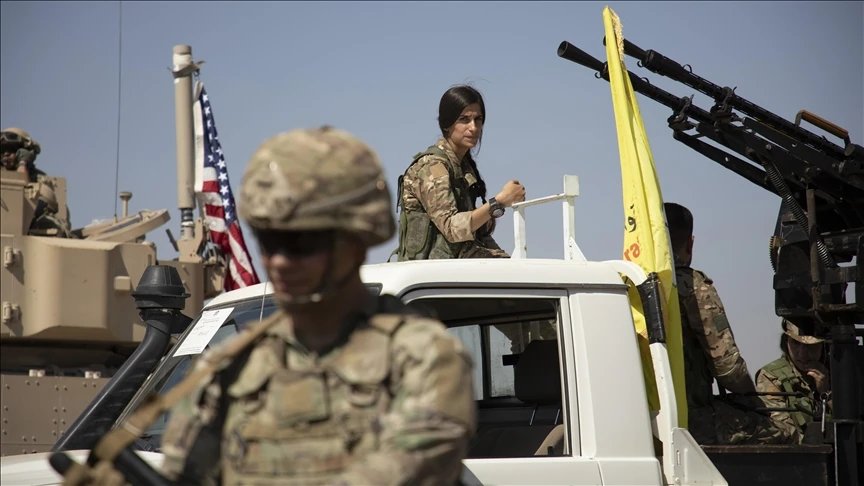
(710, 353)
(343, 388)
(437, 193)
(19, 151)
(798, 370)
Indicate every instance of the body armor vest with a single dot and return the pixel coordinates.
(791, 382)
(419, 238)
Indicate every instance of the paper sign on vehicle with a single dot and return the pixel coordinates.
(203, 331)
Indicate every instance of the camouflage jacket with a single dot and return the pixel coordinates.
(434, 194)
(781, 375)
(710, 351)
(391, 403)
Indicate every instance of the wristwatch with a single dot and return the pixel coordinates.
(496, 210)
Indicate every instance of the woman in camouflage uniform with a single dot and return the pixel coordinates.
(799, 370)
(438, 191)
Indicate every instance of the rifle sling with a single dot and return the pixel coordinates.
(155, 405)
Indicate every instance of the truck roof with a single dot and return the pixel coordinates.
(398, 277)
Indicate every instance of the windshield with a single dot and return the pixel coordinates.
(209, 328)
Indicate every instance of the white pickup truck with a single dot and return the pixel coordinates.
(558, 380)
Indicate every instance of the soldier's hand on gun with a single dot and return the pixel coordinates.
(512, 192)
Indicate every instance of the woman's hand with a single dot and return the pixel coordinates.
(512, 192)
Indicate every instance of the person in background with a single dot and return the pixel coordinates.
(710, 353)
(438, 191)
(798, 370)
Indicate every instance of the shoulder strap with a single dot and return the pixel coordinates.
(155, 405)
(775, 365)
(387, 323)
(432, 150)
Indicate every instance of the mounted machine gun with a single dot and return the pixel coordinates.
(820, 222)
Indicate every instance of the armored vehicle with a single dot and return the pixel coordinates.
(69, 319)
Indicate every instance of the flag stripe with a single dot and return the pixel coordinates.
(214, 193)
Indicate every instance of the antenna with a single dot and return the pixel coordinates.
(119, 98)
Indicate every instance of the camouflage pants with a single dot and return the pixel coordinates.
(477, 251)
(722, 423)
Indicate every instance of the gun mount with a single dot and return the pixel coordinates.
(69, 315)
(820, 222)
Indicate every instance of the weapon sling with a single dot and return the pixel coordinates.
(155, 405)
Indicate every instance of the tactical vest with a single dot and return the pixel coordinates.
(419, 238)
(697, 373)
(793, 383)
(698, 378)
(286, 427)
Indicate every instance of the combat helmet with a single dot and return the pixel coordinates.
(14, 135)
(317, 179)
(794, 332)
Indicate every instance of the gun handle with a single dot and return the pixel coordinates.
(822, 123)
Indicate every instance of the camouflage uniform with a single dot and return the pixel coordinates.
(436, 201)
(390, 403)
(46, 215)
(781, 375)
(710, 353)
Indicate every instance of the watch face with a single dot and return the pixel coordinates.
(498, 212)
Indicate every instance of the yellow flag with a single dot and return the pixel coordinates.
(646, 238)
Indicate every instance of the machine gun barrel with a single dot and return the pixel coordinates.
(681, 107)
(572, 53)
(817, 194)
(726, 98)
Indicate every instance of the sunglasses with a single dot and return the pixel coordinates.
(296, 244)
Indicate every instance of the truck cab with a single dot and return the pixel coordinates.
(557, 376)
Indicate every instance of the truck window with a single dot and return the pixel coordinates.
(514, 343)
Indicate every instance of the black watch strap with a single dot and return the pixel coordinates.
(496, 210)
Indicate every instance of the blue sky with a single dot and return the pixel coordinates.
(378, 70)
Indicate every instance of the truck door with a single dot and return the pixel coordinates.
(524, 383)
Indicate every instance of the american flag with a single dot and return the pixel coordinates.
(215, 196)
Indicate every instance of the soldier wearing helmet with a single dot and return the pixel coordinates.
(799, 370)
(18, 151)
(341, 387)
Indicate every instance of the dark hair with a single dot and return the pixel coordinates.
(680, 221)
(452, 103)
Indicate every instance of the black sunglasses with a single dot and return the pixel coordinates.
(298, 244)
